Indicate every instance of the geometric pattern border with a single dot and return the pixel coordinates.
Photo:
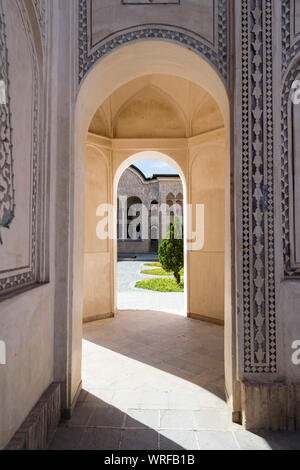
(17, 281)
(259, 313)
(217, 55)
(7, 193)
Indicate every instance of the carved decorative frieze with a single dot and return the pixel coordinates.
(40, 9)
(290, 37)
(28, 275)
(7, 202)
(216, 54)
(258, 183)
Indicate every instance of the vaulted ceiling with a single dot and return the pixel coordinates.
(157, 106)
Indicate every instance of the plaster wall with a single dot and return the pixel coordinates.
(97, 254)
(26, 306)
(207, 187)
(167, 106)
(109, 16)
(26, 327)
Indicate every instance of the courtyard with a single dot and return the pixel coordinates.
(131, 298)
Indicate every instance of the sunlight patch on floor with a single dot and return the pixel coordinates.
(126, 383)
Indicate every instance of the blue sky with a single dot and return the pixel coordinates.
(150, 167)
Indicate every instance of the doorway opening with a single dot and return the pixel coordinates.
(169, 101)
(150, 202)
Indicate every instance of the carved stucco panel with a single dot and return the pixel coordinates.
(258, 198)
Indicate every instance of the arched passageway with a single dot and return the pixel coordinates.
(201, 154)
(148, 221)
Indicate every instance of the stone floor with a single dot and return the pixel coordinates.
(130, 298)
(154, 381)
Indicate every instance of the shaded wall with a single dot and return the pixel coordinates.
(98, 286)
(207, 266)
(26, 308)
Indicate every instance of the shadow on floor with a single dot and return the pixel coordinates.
(155, 381)
(188, 349)
(96, 425)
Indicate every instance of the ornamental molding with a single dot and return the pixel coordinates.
(7, 193)
(257, 188)
(290, 266)
(290, 37)
(17, 279)
(40, 10)
(216, 54)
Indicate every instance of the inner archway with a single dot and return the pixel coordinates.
(135, 254)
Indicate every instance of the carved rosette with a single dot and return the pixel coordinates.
(258, 183)
(7, 204)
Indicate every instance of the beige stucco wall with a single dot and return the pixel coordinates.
(109, 16)
(97, 257)
(27, 316)
(207, 187)
(26, 326)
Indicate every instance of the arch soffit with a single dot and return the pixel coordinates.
(140, 59)
(160, 92)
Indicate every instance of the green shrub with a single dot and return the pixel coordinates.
(171, 251)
